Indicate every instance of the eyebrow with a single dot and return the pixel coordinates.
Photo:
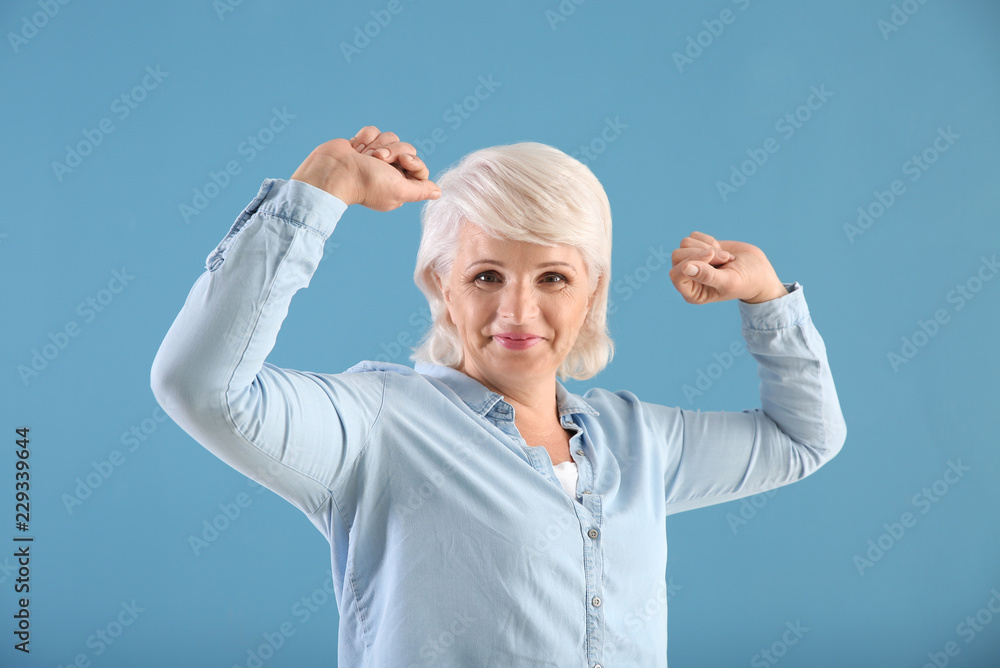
(539, 266)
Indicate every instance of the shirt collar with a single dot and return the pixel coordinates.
(481, 400)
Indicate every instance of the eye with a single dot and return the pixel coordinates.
(560, 277)
(490, 277)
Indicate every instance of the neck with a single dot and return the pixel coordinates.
(533, 399)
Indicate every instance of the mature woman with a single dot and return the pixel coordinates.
(478, 513)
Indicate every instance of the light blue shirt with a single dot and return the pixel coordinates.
(452, 541)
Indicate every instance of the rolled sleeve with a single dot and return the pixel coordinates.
(297, 433)
(798, 428)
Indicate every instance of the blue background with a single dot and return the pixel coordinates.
(740, 574)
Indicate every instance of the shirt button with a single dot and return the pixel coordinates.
(579, 452)
(597, 665)
(592, 533)
(586, 491)
(596, 601)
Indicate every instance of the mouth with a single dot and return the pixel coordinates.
(518, 337)
(517, 341)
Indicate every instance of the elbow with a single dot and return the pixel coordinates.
(838, 437)
(816, 452)
(178, 390)
(833, 442)
(165, 381)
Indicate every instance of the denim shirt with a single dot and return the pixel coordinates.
(452, 541)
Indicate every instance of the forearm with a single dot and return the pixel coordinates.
(228, 325)
(797, 389)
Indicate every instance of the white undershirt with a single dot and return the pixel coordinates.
(567, 474)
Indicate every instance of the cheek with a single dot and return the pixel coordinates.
(474, 308)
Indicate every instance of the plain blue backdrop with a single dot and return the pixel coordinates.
(855, 142)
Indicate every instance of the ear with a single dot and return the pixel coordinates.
(443, 286)
(593, 295)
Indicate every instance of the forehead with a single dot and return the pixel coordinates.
(475, 244)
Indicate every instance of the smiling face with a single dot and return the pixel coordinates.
(518, 306)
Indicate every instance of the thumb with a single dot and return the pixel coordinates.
(414, 190)
(707, 275)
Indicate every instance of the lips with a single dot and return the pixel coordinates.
(514, 336)
(516, 341)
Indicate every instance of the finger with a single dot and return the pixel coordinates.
(720, 254)
(692, 242)
(710, 255)
(414, 166)
(701, 236)
(384, 139)
(707, 275)
(683, 254)
(390, 152)
(403, 157)
(692, 291)
(364, 137)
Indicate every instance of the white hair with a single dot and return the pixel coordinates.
(523, 192)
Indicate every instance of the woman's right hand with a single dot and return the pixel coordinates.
(373, 169)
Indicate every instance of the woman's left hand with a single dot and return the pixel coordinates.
(706, 270)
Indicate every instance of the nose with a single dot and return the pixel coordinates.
(518, 302)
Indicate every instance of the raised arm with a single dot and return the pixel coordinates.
(799, 427)
(294, 432)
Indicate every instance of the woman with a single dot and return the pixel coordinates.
(478, 513)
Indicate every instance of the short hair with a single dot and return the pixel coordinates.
(523, 192)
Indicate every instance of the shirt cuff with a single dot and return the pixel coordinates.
(293, 201)
(786, 311)
(302, 204)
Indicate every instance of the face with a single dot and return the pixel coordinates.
(518, 306)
